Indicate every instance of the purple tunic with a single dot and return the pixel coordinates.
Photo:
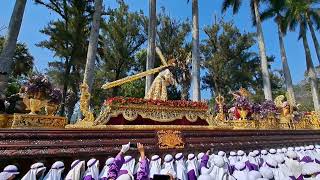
(204, 161)
(143, 172)
(192, 175)
(306, 159)
(298, 178)
(115, 166)
(114, 170)
(88, 177)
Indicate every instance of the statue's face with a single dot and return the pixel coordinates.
(169, 77)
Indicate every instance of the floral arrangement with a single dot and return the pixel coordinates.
(267, 108)
(242, 102)
(55, 96)
(38, 86)
(168, 103)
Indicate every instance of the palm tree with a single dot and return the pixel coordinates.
(235, 4)
(151, 41)
(93, 43)
(6, 57)
(275, 8)
(195, 74)
(313, 19)
(296, 15)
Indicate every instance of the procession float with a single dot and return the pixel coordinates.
(163, 125)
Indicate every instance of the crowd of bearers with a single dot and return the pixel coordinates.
(291, 163)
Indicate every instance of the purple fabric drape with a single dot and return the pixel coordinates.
(115, 166)
(143, 172)
(192, 175)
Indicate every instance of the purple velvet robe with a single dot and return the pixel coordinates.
(114, 170)
(115, 166)
(204, 161)
(143, 172)
(297, 178)
(89, 177)
(192, 175)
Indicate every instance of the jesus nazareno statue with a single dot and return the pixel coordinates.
(158, 89)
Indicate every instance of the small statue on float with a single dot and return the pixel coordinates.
(242, 106)
(287, 111)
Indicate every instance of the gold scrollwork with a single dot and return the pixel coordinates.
(37, 121)
(170, 139)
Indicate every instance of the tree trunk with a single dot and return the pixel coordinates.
(9, 45)
(285, 66)
(315, 40)
(263, 56)
(151, 41)
(93, 43)
(195, 75)
(311, 73)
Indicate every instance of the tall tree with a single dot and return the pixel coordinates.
(229, 62)
(10, 43)
(68, 39)
(195, 74)
(262, 50)
(152, 25)
(172, 36)
(274, 10)
(93, 45)
(122, 36)
(296, 15)
(313, 20)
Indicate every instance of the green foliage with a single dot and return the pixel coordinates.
(172, 41)
(230, 63)
(122, 36)
(68, 39)
(22, 60)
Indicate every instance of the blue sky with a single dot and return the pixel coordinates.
(36, 17)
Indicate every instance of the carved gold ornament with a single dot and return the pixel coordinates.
(170, 139)
(37, 121)
(153, 112)
(88, 120)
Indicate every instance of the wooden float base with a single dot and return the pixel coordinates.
(26, 146)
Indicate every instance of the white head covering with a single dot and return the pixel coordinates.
(205, 177)
(77, 168)
(93, 169)
(253, 175)
(233, 158)
(284, 171)
(168, 167)
(199, 157)
(256, 152)
(155, 165)
(293, 165)
(55, 171)
(129, 164)
(34, 170)
(181, 167)
(192, 164)
(104, 172)
(8, 172)
(240, 171)
(125, 177)
(266, 173)
(264, 152)
(218, 170)
(310, 168)
(284, 150)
